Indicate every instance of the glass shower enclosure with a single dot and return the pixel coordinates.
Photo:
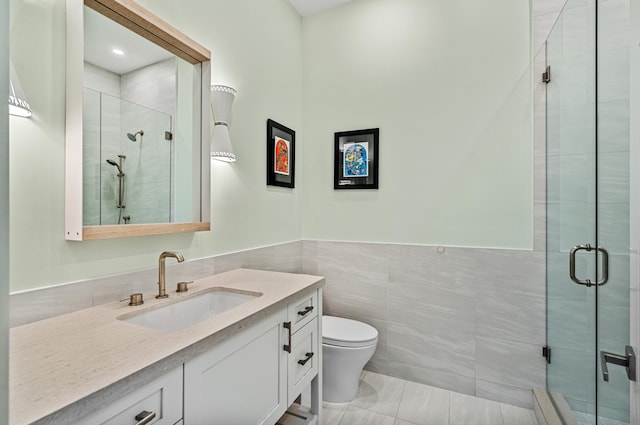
(587, 201)
(128, 170)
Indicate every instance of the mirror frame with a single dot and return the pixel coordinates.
(141, 21)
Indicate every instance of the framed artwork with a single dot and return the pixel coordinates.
(356, 159)
(281, 155)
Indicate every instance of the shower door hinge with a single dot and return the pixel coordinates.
(546, 353)
(546, 75)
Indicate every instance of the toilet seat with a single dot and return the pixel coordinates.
(342, 332)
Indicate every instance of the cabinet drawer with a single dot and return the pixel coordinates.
(303, 360)
(162, 398)
(303, 311)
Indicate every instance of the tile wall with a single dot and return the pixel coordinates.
(545, 14)
(149, 164)
(465, 319)
(148, 104)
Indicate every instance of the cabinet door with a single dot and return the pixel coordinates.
(240, 381)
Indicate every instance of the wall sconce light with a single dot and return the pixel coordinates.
(18, 104)
(221, 100)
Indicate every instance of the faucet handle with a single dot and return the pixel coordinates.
(134, 299)
(182, 286)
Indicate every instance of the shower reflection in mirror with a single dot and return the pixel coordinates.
(128, 159)
(132, 104)
(121, 188)
(134, 137)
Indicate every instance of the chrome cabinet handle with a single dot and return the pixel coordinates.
(307, 309)
(628, 361)
(144, 417)
(605, 265)
(304, 362)
(287, 347)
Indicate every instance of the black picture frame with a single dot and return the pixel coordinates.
(281, 137)
(356, 173)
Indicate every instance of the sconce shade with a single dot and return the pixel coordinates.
(18, 104)
(221, 101)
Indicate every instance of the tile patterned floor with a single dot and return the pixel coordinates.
(384, 400)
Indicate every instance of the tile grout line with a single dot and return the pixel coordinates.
(449, 416)
(404, 386)
(344, 412)
(501, 413)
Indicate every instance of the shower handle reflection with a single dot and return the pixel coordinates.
(121, 186)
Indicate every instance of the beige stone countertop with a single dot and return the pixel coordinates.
(62, 366)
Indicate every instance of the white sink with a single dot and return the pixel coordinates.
(182, 314)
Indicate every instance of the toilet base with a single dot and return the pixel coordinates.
(341, 371)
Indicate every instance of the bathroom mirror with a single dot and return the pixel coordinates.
(137, 124)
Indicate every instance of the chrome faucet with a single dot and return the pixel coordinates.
(162, 293)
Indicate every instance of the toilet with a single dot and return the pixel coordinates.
(347, 345)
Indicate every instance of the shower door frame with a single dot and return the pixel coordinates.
(634, 201)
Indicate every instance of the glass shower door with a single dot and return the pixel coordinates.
(612, 298)
(588, 211)
(571, 209)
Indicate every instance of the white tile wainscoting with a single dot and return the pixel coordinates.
(470, 320)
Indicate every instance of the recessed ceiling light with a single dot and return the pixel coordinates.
(118, 52)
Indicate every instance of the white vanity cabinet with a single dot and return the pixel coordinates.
(240, 381)
(254, 376)
(158, 402)
(228, 369)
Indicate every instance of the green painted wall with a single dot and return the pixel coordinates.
(448, 84)
(256, 48)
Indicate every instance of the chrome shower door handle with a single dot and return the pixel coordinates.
(572, 263)
(605, 266)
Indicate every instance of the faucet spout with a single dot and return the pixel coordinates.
(162, 293)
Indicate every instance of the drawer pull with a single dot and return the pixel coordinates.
(287, 347)
(307, 309)
(304, 362)
(144, 417)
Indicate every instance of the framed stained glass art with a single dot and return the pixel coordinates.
(356, 159)
(281, 159)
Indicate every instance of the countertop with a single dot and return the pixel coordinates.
(61, 366)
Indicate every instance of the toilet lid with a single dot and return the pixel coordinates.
(346, 332)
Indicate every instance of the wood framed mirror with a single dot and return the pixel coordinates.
(137, 124)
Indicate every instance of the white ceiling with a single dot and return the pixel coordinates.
(102, 35)
(309, 7)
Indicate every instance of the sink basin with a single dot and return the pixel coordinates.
(182, 314)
